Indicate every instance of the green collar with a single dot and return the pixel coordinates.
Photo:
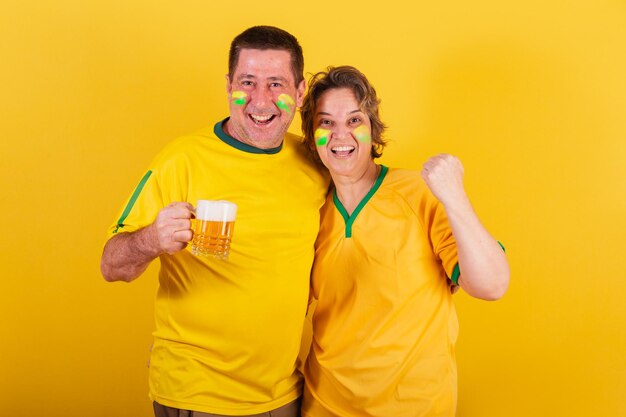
(350, 219)
(229, 140)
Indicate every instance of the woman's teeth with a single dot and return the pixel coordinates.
(336, 149)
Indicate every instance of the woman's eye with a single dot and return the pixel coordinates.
(355, 120)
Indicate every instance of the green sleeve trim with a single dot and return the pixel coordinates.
(350, 219)
(131, 202)
(218, 129)
(456, 272)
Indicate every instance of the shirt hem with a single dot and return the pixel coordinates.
(238, 410)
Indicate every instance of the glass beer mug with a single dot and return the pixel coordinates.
(213, 228)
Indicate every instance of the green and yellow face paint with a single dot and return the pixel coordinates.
(238, 97)
(362, 134)
(285, 102)
(321, 136)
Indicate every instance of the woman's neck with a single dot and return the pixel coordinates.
(352, 189)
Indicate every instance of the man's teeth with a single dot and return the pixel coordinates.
(260, 119)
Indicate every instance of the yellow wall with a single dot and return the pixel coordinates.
(530, 94)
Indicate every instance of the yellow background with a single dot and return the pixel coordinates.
(530, 94)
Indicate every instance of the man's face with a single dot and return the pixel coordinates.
(263, 97)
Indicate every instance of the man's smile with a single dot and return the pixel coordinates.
(262, 119)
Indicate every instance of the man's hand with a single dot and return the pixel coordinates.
(128, 254)
(172, 227)
(443, 174)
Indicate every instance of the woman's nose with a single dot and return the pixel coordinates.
(341, 132)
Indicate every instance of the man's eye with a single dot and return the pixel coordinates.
(247, 83)
(275, 85)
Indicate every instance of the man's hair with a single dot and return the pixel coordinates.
(264, 38)
(365, 94)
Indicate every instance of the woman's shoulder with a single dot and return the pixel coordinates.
(406, 184)
(404, 179)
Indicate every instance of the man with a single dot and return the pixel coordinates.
(228, 332)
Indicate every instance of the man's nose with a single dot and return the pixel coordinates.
(262, 97)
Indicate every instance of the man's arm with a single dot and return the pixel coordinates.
(482, 262)
(127, 255)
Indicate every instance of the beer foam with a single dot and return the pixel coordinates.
(216, 210)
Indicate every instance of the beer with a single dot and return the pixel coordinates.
(213, 228)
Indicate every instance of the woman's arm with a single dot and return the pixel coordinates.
(482, 262)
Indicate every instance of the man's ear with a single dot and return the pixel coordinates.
(229, 85)
(300, 93)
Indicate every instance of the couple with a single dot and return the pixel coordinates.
(391, 247)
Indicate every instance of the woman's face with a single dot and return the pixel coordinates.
(343, 133)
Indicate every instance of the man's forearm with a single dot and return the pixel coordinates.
(127, 255)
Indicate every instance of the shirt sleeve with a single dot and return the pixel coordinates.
(159, 186)
(437, 227)
(141, 208)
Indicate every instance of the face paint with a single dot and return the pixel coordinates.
(362, 134)
(239, 97)
(321, 136)
(285, 102)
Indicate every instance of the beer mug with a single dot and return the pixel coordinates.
(213, 228)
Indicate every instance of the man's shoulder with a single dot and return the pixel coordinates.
(178, 149)
(298, 158)
(291, 139)
(199, 137)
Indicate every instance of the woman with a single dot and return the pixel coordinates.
(393, 246)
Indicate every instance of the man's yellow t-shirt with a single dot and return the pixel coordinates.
(384, 327)
(228, 332)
